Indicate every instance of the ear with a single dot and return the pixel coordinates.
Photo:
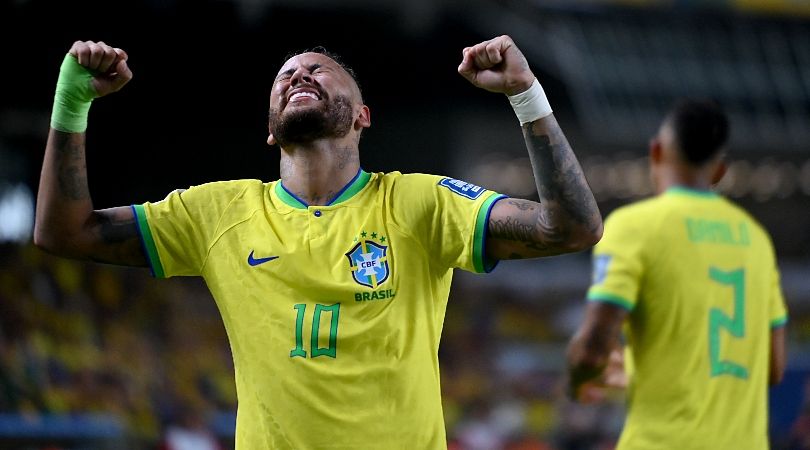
(271, 140)
(719, 172)
(656, 150)
(363, 119)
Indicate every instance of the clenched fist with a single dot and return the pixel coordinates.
(107, 64)
(496, 65)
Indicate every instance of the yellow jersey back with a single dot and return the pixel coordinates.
(699, 278)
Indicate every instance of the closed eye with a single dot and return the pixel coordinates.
(287, 74)
(312, 68)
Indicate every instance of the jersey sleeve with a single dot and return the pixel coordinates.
(618, 264)
(178, 231)
(448, 216)
(778, 310)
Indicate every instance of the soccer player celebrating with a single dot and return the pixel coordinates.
(694, 279)
(332, 282)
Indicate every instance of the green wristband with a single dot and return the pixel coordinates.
(74, 94)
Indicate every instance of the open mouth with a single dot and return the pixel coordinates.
(303, 95)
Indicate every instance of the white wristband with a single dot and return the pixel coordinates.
(530, 104)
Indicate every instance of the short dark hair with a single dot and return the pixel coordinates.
(334, 56)
(701, 129)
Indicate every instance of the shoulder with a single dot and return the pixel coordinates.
(436, 186)
(230, 187)
(406, 186)
(634, 224)
(407, 180)
(213, 199)
(219, 191)
(421, 179)
(735, 208)
(756, 227)
(635, 213)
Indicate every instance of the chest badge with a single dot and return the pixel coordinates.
(368, 261)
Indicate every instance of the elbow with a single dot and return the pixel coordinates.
(43, 240)
(593, 235)
(584, 237)
(51, 242)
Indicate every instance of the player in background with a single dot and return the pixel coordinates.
(693, 279)
(332, 282)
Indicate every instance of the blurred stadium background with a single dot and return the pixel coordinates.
(100, 357)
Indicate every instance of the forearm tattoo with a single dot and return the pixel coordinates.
(71, 169)
(109, 236)
(560, 180)
(566, 207)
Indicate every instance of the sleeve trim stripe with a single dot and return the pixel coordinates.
(148, 242)
(613, 299)
(780, 322)
(480, 262)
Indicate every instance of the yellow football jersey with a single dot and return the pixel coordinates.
(333, 313)
(700, 280)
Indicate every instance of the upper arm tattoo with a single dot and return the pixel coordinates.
(113, 229)
(520, 226)
(523, 205)
(117, 231)
(512, 229)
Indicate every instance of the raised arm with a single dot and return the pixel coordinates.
(66, 223)
(567, 218)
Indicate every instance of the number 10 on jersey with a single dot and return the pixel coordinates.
(315, 350)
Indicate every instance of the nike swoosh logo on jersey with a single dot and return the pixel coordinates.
(256, 261)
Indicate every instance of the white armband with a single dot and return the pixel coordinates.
(530, 104)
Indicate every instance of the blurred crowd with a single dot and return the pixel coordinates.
(79, 337)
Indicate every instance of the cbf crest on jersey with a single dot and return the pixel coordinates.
(368, 261)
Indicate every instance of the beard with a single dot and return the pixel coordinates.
(332, 118)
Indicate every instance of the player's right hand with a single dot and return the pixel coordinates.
(108, 65)
(612, 379)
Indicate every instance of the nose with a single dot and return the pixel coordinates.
(301, 75)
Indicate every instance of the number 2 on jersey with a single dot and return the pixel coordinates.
(735, 324)
(315, 351)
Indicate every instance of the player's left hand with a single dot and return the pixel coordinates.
(496, 65)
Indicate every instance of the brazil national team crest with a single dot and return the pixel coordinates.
(368, 260)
